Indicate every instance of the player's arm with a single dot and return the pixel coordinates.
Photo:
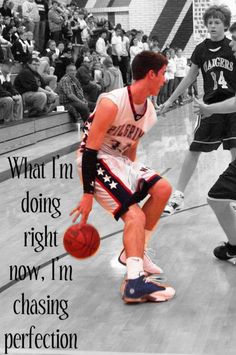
(185, 83)
(132, 151)
(104, 117)
(222, 107)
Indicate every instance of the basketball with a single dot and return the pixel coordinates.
(81, 242)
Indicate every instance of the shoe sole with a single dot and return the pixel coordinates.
(148, 298)
(165, 213)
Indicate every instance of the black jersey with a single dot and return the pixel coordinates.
(218, 67)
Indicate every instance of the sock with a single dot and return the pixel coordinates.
(148, 235)
(134, 267)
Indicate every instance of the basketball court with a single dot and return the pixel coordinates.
(201, 317)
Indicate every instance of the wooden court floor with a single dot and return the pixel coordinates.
(201, 319)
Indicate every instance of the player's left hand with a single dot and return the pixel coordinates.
(200, 107)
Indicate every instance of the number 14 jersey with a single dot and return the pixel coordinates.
(218, 67)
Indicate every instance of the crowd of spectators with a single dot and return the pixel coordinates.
(55, 55)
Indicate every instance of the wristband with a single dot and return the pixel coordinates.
(89, 169)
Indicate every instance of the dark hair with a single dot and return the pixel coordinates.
(222, 12)
(232, 27)
(145, 61)
(33, 59)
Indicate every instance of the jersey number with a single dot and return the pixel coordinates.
(221, 81)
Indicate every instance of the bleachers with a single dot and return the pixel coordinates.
(20, 134)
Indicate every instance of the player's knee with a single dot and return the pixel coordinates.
(161, 190)
(135, 216)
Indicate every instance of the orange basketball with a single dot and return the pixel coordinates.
(81, 242)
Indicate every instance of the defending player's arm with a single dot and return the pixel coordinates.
(132, 151)
(227, 106)
(104, 117)
(185, 83)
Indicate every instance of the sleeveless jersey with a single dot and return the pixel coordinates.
(218, 67)
(127, 127)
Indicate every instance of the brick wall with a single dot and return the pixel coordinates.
(143, 14)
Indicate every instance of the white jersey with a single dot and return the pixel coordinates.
(128, 126)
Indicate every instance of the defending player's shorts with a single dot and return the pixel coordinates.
(210, 132)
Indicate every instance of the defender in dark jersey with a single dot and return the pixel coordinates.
(218, 66)
(222, 195)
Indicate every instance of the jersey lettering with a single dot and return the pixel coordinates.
(221, 81)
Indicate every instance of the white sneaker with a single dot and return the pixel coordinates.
(175, 203)
(148, 265)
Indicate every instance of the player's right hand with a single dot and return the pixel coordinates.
(84, 208)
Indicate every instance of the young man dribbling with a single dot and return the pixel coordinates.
(110, 174)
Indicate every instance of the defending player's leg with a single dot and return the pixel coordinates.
(222, 199)
(176, 201)
(139, 288)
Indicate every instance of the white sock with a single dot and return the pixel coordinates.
(134, 267)
(148, 235)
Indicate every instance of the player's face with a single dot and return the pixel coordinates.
(215, 28)
(157, 81)
(233, 43)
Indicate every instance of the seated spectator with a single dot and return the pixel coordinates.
(47, 73)
(91, 89)
(51, 52)
(5, 10)
(71, 95)
(61, 63)
(5, 79)
(37, 98)
(20, 50)
(112, 78)
(155, 45)
(3, 41)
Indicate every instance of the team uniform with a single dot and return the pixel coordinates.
(121, 182)
(218, 67)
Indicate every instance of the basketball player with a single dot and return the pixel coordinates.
(111, 175)
(218, 66)
(222, 195)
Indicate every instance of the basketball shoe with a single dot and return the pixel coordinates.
(175, 203)
(149, 266)
(225, 251)
(144, 289)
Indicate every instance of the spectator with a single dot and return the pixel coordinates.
(5, 10)
(139, 37)
(181, 70)
(71, 95)
(61, 63)
(116, 43)
(43, 13)
(5, 79)
(55, 20)
(155, 46)
(146, 46)
(112, 78)
(37, 98)
(83, 26)
(31, 16)
(101, 46)
(124, 63)
(20, 49)
(51, 52)
(171, 70)
(91, 89)
(134, 49)
(46, 72)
